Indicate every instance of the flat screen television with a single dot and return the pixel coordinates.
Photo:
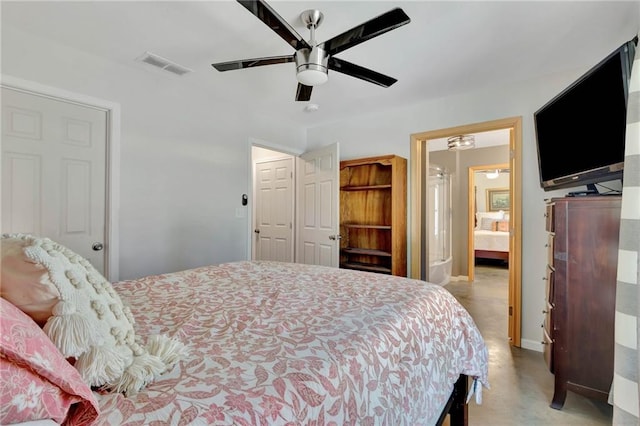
(580, 133)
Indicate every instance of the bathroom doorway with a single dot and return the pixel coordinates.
(462, 235)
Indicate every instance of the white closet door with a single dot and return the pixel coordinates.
(54, 171)
(273, 231)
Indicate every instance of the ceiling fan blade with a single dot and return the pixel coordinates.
(374, 27)
(303, 93)
(250, 63)
(266, 14)
(362, 73)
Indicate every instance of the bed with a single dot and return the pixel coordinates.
(491, 236)
(269, 343)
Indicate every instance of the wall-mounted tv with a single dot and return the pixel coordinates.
(580, 133)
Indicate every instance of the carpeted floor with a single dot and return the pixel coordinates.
(521, 384)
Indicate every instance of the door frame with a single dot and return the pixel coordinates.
(471, 215)
(112, 158)
(420, 162)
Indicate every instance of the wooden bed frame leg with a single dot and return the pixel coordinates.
(459, 412)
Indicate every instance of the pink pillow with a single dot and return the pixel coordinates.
(37, 382)
(25, 283)
(501, 225)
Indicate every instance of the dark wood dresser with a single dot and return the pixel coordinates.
(578, 326)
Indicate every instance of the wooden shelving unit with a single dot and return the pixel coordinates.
(373, 214)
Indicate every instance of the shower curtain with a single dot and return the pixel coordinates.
(626, 381)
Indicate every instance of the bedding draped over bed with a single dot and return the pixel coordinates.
(277, 343)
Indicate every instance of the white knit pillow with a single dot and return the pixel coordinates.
(90, 323)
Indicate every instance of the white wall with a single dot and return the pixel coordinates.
(483, 184)
(389, 133)
(185, 157)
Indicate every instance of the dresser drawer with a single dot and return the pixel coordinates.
(547, 349)
(548, 319)
(549, 281)
(549, 222)
(550, 247)
(547, 335)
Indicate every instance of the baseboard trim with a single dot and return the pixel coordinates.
(531, 344)
(460, 278)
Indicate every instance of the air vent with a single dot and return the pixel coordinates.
(163, 63)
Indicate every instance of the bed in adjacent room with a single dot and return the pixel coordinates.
(491, 236)
(246, 343)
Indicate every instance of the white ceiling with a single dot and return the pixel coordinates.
(449, 47)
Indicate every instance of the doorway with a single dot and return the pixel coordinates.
(312, 200)
(419, 209)
(489, 214)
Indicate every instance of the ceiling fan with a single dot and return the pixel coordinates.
(314, 60)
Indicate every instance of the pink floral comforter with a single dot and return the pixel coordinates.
(291, 344)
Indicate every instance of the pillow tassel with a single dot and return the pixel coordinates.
(144, 368)
(169, 350)
(100, 365)
(69, 331)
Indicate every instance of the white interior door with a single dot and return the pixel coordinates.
(54, 171)
(273, 233)
(318, 180)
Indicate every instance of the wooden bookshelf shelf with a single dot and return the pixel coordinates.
(365, 187)
(362, 226)
(369, 252)
(365, 267)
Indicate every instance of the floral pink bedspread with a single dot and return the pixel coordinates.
(291, 344)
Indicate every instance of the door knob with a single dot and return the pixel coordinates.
(335, 237)
(257, 231)
(97, 246)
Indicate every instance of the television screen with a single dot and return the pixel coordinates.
(580, 133)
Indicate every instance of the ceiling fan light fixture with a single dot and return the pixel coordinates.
(493, 175)
(311, 66)
(461, 142)
(312, 77)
